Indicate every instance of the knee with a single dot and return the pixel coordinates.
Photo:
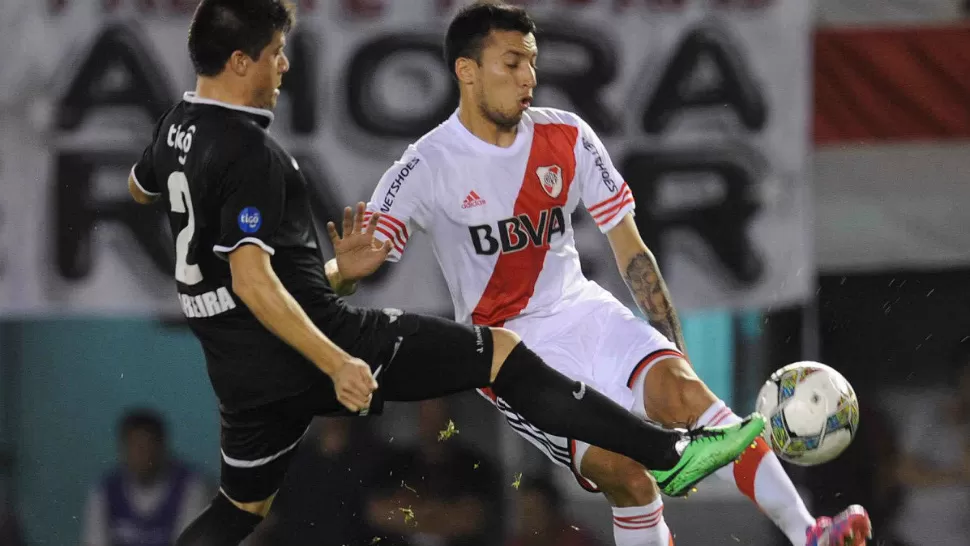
(623, 481)
(503, 341)
(674, 395)
(632, 486)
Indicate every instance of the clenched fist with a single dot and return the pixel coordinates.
(354, 383)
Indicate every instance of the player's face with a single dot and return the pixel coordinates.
(507, 76)
(268, 73)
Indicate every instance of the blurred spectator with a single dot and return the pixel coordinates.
(321, 500)
(936, 467)
(150, 497)
(439, 493)
(541, 520)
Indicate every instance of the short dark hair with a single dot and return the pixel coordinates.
(141, 419)
(220, 27)
(468, 30)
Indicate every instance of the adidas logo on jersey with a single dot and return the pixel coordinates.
(472, 200)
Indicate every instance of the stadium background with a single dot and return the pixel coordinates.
(804, 166)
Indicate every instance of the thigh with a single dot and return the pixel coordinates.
(413, 357)
(628, 348)
(431, 357)
(258, 445)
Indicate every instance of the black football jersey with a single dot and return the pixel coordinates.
(226, 182)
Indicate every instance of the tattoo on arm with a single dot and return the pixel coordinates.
(642, 277)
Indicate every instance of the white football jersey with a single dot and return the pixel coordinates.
(500, 218)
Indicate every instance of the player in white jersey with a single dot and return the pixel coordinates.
(495, 186)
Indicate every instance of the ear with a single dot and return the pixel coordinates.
(239, 63)
(466, 69)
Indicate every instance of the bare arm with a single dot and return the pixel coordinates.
(255, 282)
(257, 285)
(640, 271)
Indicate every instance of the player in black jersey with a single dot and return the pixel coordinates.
(280, 347)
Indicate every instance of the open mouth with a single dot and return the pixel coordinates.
(525, 102)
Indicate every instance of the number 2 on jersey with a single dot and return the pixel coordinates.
(181, 201)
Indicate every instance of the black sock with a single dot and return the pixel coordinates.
(222, 524)
(548, 400)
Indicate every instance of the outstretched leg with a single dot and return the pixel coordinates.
(438, 357)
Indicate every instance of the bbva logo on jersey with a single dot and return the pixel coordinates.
(551, 179)
(518, 232)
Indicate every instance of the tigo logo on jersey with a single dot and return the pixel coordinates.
(250, 219)
(472, 200)
(551, 179)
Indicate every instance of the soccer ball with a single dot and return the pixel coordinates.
(812, 413)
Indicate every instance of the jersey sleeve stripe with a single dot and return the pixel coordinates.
(618, 209)
(391, 238)
(224, 251)
(401, 226)
(623, 191)
(398, 235)
(600, 214)
(397, 232)
(390, 222)
(134, 178)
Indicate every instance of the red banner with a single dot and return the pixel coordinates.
(904, 84)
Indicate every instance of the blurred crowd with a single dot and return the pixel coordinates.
(350, 484)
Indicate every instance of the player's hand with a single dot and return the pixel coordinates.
(357, 251)
(354, 384)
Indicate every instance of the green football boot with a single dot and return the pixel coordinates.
(704, 450)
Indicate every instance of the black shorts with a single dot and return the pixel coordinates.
(413, 357)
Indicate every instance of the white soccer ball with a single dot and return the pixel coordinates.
(812, 413)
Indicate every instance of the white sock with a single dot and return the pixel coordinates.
(641, 525)
(760, 477)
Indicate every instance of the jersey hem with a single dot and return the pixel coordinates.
(239, 463)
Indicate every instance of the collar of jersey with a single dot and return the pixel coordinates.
(189, 96)
(521, 137)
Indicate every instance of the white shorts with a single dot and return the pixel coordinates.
(600, 342)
